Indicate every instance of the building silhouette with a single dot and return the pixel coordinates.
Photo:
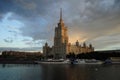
(61, 45)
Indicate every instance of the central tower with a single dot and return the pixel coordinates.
(60, 39)
(61, 46)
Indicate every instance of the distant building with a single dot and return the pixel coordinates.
(21, 54)
(62, 46)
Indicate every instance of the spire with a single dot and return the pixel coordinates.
(84, 44)
(46, 44)
(61, 15)
(61, 23)
(90, 45)
(77, 43)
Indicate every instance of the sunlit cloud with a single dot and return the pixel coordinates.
(31, 23)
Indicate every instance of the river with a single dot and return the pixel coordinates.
(59, 72)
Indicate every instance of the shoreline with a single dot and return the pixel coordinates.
(18, 62)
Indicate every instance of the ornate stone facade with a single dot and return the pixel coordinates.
(62, 46)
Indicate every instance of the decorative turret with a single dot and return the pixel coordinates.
(84, 44)
(90, 45)
(46, 44)
(77, 43)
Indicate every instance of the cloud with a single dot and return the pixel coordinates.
(87, 20)
(8, 40)
(33, 43)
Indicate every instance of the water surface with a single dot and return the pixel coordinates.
(59, 72)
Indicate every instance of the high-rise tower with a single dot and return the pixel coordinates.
(60, 39)
(61, 46)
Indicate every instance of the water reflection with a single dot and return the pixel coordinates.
(76, 73)
(59, 72)
(54, 72)
(67, 72)
(17, 65)
(20, 72)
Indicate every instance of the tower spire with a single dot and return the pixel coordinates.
(61, 15)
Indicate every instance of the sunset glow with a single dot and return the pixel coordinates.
(28, 24)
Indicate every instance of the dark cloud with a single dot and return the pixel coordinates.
(27, 8)
(32, 8)
(35, 31)
(87, 20)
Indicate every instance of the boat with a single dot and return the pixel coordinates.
(67, 61)
(87, 61)
(53, 61)
(112, 60)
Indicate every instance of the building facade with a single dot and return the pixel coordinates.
(62, 46)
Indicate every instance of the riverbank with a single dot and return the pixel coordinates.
(18, 62)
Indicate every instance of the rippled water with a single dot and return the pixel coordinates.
(59, 72)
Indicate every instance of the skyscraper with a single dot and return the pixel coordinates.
(61, 45)
(60, 39)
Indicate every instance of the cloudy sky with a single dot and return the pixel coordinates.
(28, 24)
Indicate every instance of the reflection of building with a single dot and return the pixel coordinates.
(77, 72)
(62, 46)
